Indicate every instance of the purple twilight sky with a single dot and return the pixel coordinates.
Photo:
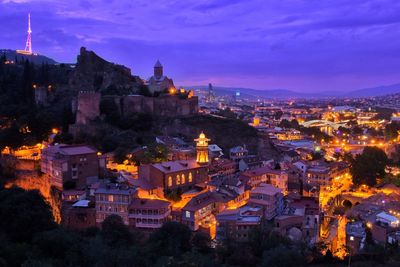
(302, 45)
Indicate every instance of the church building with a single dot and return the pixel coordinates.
(158, 82)
(183, 174)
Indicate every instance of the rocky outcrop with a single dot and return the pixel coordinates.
(92, 73)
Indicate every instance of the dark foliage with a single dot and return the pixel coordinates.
(23, 213)
(368, 166)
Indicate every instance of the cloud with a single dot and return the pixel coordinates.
(302, 44)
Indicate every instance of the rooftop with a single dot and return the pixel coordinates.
(76, 150)
(176, 166)
(149, 203)
(158, 64)
(115, 189)
(81, 203)
(266, 189)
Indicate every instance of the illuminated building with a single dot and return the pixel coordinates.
(238, 152)
(158, 82)
(210, 96)
(277, 178)
(256, 121)
(172, 175)
(113, 199)
(215, 151)
(199, 211)
(148, 214)
(395, 117)
(202, 149)
(324, 174)
(269, 198)
(71, 163)
(355, 236)
(237, 224)
(79, 216)
(302, 216)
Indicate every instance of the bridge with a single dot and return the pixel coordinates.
(349, 199)
(322, 123)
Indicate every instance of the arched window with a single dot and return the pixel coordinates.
(183, 179)
(169, 181)
(190, 177)
(178, 179)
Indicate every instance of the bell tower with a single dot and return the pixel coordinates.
(202, 149)
(158, 70)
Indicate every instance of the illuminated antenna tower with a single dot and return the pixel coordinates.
(28, 46)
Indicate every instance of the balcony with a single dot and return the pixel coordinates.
(149, 216)
(148, 225)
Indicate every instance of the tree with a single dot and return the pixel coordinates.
(282, 256)
(172, 239)
(144, 90)
(11, 137)
(59, 244)
(368, 166)
(316, 155)
(120, 154)
(278, 115)
(23, 213)
(227, 113)
(201, 242)
(115, 232)
(392, 130)
(357, 130)
(344, 130)
(155, 153)
(7, 169)
(285, 124)
(293, 124)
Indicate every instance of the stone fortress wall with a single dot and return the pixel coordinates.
(88, 105)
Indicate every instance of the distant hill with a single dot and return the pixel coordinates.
(254, 93)
(287, 94)
(375, 91)
(36, 58)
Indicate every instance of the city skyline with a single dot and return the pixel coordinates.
(298, 45)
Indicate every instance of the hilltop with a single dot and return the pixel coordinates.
(12, 55)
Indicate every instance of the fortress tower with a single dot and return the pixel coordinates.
(202, 149)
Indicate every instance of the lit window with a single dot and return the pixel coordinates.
(187, 214)
(111, 198)
(190, 177)
(351, 238)
(169, 181)
(183, 179)
(178, 179)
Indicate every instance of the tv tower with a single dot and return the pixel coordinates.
(28, 46)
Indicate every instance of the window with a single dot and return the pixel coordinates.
(190, 177)
(178, 179)
(183, 179)
(187, 214)
(351, 238)
(111, 198)
(169, 181)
